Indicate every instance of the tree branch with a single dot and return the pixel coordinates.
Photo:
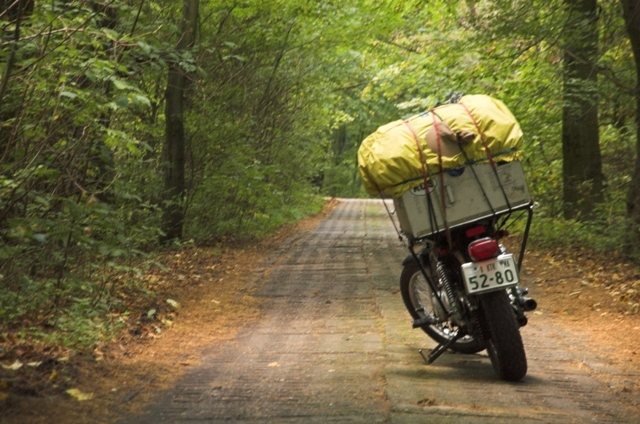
(400, 46)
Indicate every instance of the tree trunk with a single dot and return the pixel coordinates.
(174, 147)
(13, 11)
(583, 180)
(631, 12)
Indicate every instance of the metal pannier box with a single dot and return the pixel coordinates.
(468, 196)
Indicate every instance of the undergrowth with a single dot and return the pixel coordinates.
(86, 292)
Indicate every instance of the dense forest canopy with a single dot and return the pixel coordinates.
(126, 123)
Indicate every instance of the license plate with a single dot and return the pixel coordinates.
(489, 275)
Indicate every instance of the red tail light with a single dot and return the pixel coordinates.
(482, 249)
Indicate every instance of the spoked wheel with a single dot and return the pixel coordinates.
(504, 345)
(420, 302)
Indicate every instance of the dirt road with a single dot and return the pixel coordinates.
(334, 344)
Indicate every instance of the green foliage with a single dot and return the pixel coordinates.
(609, 232)
(68, 222)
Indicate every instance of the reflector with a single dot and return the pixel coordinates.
(482, 249)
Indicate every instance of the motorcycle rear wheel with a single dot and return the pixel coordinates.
(504, 344)
(417, 296)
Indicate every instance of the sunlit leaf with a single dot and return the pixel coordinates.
(14, 367)
(140, 99)
(79, 395)
(68, 94)
(120, 84)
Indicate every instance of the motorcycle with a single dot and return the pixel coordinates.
(456, 179)
(462, 288)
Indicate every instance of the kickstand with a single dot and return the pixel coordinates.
(441, 348)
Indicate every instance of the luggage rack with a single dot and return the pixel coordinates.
(528, 208)
(452, 200)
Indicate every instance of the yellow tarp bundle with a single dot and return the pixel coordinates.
(389, 160)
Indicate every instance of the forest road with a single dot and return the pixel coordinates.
(334, 344)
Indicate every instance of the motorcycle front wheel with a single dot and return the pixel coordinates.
(417, 296)
(504, 345)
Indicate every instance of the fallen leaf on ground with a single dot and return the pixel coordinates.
(14, 367)
(79, 395)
